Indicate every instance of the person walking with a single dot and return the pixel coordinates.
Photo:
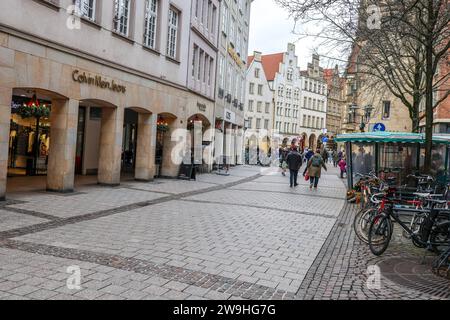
(294, 161)
(283, 155)
(343, 167)
(308, 156)
(335, 158)
(315, 165)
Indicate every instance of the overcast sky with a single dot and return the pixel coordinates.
(271, 30)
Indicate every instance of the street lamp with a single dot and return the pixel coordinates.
(366, 117)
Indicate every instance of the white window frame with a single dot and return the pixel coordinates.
(122, 9)
(225, 18)
(172, 33)
(151, 23)
(86, 9)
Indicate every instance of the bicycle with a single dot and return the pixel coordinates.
(432, 233)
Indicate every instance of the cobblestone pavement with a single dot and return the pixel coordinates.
(243, 236)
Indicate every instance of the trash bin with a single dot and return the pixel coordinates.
(30, 167)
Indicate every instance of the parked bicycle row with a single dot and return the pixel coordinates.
(422, 212)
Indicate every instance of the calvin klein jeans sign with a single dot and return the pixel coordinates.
(97, 81)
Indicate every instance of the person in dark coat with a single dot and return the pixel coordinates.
(294, 161)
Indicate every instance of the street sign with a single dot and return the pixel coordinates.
(324, 139)
(379, 127)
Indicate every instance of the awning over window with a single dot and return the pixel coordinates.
(400, 137)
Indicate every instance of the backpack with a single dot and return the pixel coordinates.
(316, 161)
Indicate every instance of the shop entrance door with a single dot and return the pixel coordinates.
(129, 141)
(80, 141)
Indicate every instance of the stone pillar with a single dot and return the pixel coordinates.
(208, 154)
(229, 144)
(111, 135)
(169, 168)
(63, 142)
(233, 146)
(5, 116)
(239, 146)
(146, 147)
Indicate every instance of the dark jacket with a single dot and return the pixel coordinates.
(294, 160)
(309, 154)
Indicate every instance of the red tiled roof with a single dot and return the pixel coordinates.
(271, 64)
(250, 60)
(328, 75)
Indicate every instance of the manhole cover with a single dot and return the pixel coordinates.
(412, 274)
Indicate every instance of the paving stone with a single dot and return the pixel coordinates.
(176, 295)
(23, 290)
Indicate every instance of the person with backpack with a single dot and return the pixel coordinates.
(315, 165)
(294, 161)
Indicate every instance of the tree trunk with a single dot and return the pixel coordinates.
(429, 91)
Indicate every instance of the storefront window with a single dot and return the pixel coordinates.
(398, 160)
(363, 159)
(29, 140)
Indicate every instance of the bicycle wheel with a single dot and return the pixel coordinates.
(440, 237)
(380, 234)
(361, 223)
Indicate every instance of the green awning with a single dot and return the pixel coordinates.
(400, 137)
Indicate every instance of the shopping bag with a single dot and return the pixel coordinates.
(306, 177)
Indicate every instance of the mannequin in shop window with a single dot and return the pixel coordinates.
(12, 148)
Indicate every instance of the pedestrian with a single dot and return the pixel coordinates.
(335, 158)
(315, 165)
(308, 156)
(340, 155)
(283, 156)
(343, 167)
(294, 161)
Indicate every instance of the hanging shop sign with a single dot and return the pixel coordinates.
(201, 106)
(235, 56)
(229, 116)
(97, 81)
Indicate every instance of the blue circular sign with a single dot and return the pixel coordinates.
(379, 127)
(324, 139)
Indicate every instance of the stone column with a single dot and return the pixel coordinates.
(218, 146)
(208, 154)
(63, 142)
(5, 116)
(239, 146)
(111, 136)
(233, 146)
(146, 147)
(169, 168)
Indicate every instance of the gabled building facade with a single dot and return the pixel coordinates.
(314, 104)
(336, 101)
(259, 105)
